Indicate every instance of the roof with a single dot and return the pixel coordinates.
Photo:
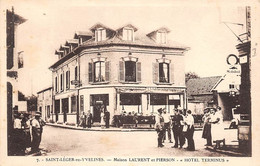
(99, 25)
(17, 18)
(128, 26)
(82, 33)
(164, 29)
(49, 88)
(201, 86)
(115, 39)
(72, 41)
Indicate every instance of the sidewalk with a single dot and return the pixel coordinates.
(98, 128)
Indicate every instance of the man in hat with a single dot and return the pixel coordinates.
(159, 127)
(37, 127)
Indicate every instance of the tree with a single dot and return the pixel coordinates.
(190, 75)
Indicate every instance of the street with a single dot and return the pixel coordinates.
(69, 142)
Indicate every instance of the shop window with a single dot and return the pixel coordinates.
(74, 104)
(130, 99)
(158, 99)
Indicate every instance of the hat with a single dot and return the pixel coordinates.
(160, 110)
(38, 113)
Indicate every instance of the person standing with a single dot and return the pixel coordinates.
(102, 118)
(190, 122)
(37, 125)
(176, 128)
(89, 119)
(159, 127)
(26, 125)
(107, 118)
(167, 125)
(206, 133)
(18, 135)
(217, 127)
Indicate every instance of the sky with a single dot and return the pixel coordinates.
(200, 27)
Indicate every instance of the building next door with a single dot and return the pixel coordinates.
(97, 102)
(57, 109)
(65, 108)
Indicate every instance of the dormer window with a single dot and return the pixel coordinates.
(100, 34)
(161, 37)
(128, 34)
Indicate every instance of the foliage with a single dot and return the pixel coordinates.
(190, 75)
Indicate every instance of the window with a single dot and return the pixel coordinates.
(231, 86)
(76, 73)
(67, 79)
(99, 71)
(130, 99)
(130, 71)
(61, 82)
(100, 34)
(128, 34)
(161, 37)
(100, 97)
(164, 72)
(56, 84)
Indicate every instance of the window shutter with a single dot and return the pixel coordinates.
(124, 34)
(107, 68)
(121, 71)
(103, 34)
(139, 74)
(96, 35)
(69, 79)
(155, 72)
(90, 72)
(172, 73)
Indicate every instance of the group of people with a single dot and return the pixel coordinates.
(213, 127)
(27, 133)
(86, 119)
(182, 125)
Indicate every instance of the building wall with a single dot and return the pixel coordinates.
(44, 104)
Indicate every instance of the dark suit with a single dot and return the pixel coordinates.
(107, 118)
(177, 130)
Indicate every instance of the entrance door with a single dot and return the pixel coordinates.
(65, 108)
(57, 109)
(97, 101)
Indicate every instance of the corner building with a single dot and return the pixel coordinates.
(120, 69)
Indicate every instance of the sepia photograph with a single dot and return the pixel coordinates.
(127, 82)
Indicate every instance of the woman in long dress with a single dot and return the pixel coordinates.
(102, 121)
(206, 134)
(217, 128)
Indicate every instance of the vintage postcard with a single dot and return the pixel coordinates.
(129, 82)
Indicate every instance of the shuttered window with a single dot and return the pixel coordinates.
(56, 84)
(163, 73)
(130, 71)
(67, 79)
(61, 82)
(99, 71)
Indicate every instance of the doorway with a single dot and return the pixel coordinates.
(97, 102)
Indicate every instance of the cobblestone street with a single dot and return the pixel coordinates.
(69, 142)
